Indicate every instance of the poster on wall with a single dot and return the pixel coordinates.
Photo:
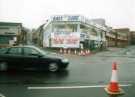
(65, 39)
(46, 39)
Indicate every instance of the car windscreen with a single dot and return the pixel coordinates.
(42, 51)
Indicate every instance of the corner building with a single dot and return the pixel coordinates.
(66, 31)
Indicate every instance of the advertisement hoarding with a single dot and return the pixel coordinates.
(65, 39)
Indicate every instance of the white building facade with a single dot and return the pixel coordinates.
(66, 31)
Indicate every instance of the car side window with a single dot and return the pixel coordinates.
(30, 51)
(3, 50)
(15, 51)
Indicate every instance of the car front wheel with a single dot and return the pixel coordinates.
(3, 66)
(53, 67)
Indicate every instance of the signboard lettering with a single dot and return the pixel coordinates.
(68, 39)
(65, 18)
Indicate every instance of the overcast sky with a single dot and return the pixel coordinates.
(32, 13)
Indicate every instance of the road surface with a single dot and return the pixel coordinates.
(86, 76)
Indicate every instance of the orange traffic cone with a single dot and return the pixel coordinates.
(75, 52)
(84, 53)
(65, 51)
(113, 87)
(81, 53)
(69, 51)
(89, 52)
(61, 50)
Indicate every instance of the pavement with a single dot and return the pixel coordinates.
(86, 76)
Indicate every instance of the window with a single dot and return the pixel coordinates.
(3, 50)
(5, 39)
(30, 51)
(93, 32)
(15, 50)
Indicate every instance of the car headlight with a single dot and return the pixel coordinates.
(64, 60)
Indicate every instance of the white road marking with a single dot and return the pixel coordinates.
(72, 87)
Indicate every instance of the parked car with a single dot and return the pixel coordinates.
(30, 57)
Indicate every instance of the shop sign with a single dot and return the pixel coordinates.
(65, 18)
